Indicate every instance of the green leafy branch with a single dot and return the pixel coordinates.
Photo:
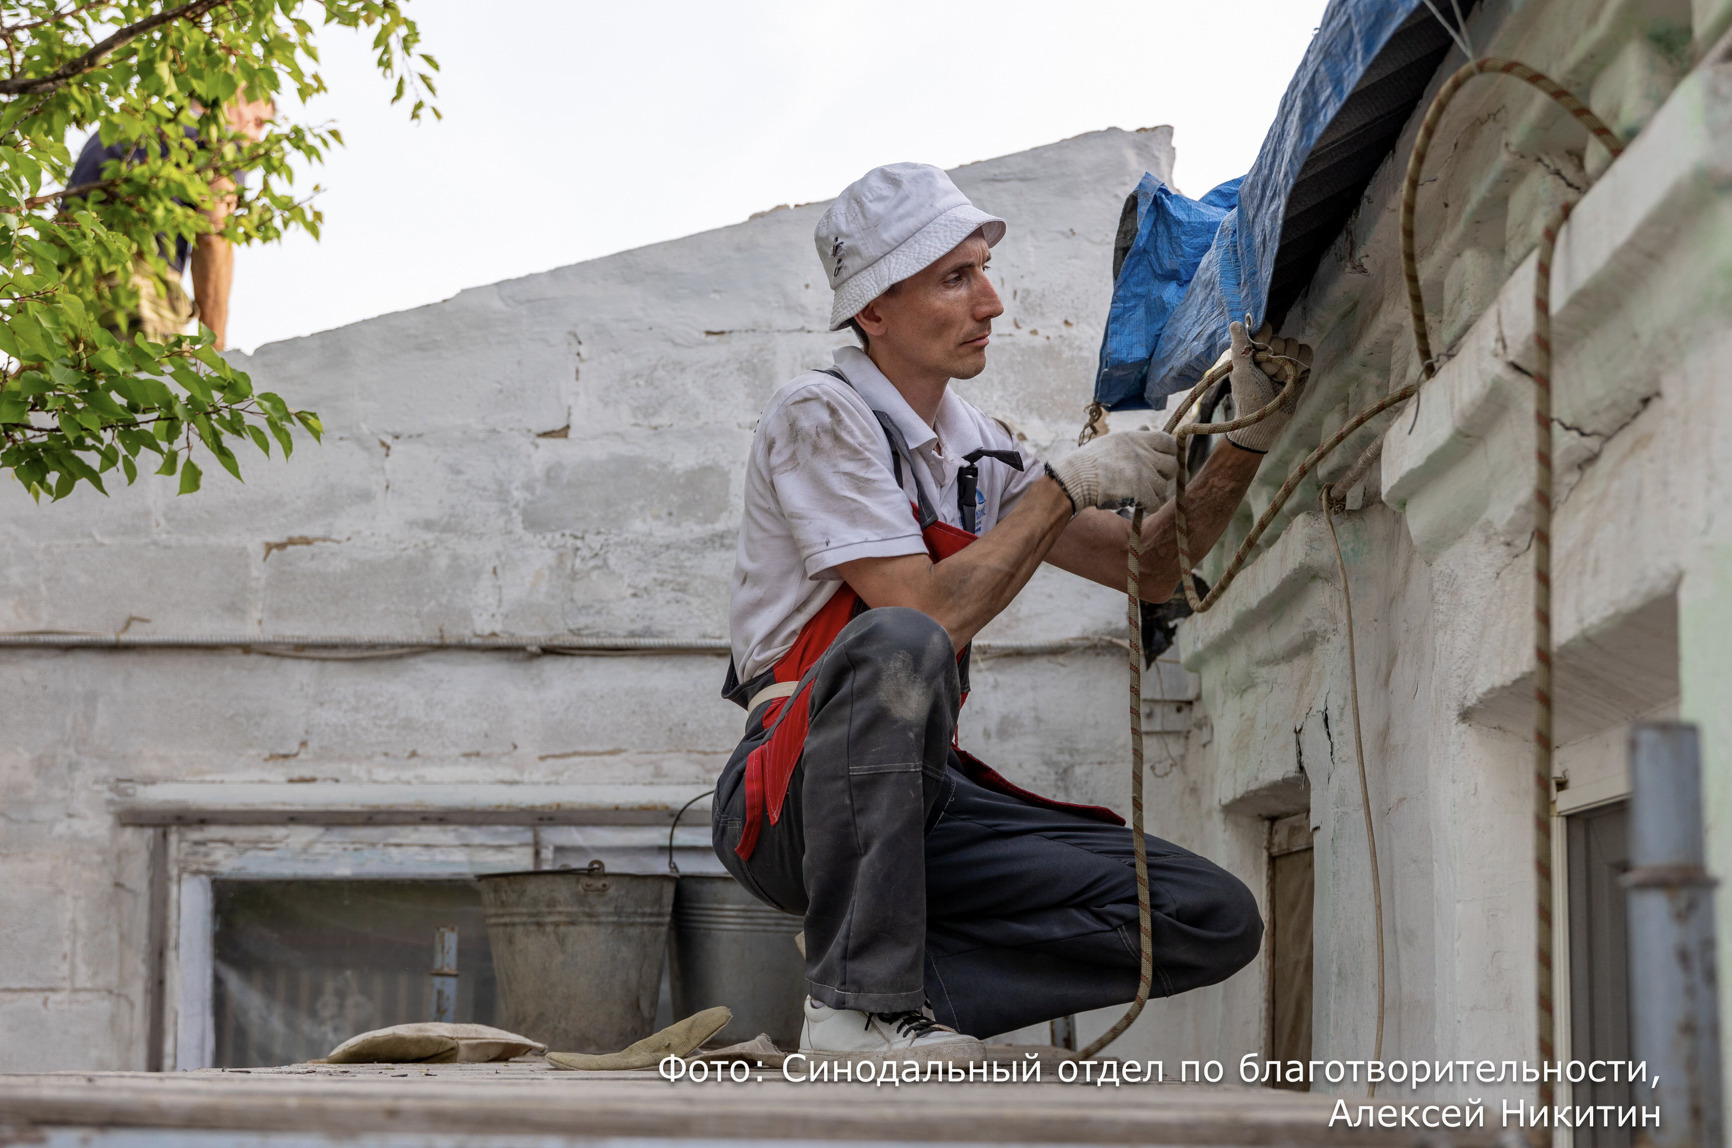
(110, 403)
(82, 394)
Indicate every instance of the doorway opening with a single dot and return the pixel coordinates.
(1292, 881)
(1598, 857)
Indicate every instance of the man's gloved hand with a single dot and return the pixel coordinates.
(1121, 469)
(1258, 377)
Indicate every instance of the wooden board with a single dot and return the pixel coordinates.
(530, 1098)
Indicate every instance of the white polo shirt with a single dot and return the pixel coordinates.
(820, 491)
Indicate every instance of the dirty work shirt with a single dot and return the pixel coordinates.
(820, 491)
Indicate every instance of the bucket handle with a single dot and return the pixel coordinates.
(672, 868)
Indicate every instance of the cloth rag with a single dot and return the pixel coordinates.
(433, 1042)
(679, 1039)
(760, 1050)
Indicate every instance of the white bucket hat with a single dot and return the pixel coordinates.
(893, 222)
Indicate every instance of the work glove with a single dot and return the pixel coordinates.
(1278, 367)
(1115, 470)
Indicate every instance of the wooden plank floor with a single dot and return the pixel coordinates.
(531, 1099)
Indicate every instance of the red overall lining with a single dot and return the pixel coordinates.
(770, 767)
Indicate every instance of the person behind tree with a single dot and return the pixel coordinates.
(157, 304)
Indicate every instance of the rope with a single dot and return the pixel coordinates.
(1545, 1019)
(1360, 468)
(1546, 1022)
(1326, 496)
(1491, 65)
(1139, 847)
(1543, 638)
(1458, 31)
(1094, 423)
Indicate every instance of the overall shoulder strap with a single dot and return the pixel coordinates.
(968, 481)
(898, 451)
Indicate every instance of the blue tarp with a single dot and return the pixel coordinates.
(1196, 265)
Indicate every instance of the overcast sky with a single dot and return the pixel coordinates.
(576, 128)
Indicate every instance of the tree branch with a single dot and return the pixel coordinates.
(56, 17)
(36, 201)
(19, 85)
(245, 162)
(11, 48)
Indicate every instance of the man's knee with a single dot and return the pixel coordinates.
(909, 638)
(896, 671)
(1241, 925)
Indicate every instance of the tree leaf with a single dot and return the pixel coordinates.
(227, 458)
(33, 341)
(189, 477)
(195, 384)
(284, 439)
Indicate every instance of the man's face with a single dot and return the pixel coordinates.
(940, 319)
(249, 117)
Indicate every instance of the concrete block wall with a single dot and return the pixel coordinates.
(554, 456)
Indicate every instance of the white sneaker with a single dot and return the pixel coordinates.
(842, 1033)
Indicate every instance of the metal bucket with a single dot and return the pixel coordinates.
(729, 948)
(578, 954)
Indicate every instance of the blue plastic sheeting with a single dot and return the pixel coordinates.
(1173, 233)
(1196, 265)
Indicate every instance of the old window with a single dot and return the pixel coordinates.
(300, 966)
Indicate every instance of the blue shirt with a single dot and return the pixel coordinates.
(89, 167)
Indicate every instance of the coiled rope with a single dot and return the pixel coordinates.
(1542, 765)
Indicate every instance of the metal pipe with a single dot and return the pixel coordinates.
(444, 975)
(1674, 1010)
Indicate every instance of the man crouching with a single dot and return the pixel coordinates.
(886, 521)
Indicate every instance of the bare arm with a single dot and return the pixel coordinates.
(1094, 545)
(967, 590)
(213, 267)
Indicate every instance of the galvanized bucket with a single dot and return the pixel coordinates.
(729, 948)
(578, 954)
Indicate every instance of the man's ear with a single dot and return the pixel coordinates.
(871, 320)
